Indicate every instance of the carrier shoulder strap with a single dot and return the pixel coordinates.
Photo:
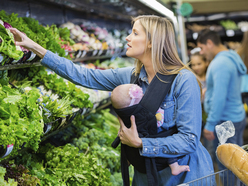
(157, 91)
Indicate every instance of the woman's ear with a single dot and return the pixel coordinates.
(149, 45)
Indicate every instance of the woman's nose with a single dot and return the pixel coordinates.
(128, 38)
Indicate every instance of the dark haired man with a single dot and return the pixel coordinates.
(223, 97)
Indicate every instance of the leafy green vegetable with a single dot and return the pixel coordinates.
(10, 182)
(20, 118)
(47, 36)
(20, 174)
(8, 44)
(39, 76)
(65, 166)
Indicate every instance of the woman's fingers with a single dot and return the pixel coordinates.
(121, 124)
(133, 124)
(22, 40)
(17, 35)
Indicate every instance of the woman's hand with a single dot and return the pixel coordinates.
(129, 136)
(22, 40)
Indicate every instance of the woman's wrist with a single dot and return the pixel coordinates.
(139, 143)
(38, 50)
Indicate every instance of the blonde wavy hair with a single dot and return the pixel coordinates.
(160, 33)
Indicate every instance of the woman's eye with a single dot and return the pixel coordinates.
(135, 33)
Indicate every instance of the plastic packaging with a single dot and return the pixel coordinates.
(224, 131)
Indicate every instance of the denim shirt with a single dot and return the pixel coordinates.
(182, 107)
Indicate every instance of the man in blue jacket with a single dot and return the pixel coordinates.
(223, 96)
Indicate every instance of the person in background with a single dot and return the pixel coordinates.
(152, 44)
(199, 65)
(243, 53)
(127, 95)
(223, 97)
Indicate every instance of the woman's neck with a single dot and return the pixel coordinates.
(147, 62)
(150, 73)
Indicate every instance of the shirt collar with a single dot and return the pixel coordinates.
(143, 76)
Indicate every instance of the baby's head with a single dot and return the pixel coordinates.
(126, 95)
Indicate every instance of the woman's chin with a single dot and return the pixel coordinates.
(128, 54)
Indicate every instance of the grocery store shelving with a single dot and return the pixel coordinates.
(85, 112)
(68, 122)
(225, 34)
(19, 65)
(117, 9)
(79, 56)
(214, 20)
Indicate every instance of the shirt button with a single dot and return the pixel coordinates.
(145, 149)
(154, 148)
(165, 151)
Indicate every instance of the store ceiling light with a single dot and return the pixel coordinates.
(158, 7)
(161, 9)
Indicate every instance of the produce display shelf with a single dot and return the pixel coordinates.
(69, 119)
(91, 58)
(33, 64)
(19, 65)
(103, 104)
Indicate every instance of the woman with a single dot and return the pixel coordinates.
(152, 43)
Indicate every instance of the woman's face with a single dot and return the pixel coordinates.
(198, 65)
(136, 42)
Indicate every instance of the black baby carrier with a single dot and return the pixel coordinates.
(146, 122)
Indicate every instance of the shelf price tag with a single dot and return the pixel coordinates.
(94, 52)
(48, 128)
(95, 105)
(32, 56)
(8, 151)
(78, 54)
(230, 33)
(100, 52)
(108, 52)
(63, 121)
(84, 111)
(83, 53)
(195, 35)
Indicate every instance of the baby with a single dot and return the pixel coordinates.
(127, 95)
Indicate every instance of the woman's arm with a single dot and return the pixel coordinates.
(89, 78)
(22, 40)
